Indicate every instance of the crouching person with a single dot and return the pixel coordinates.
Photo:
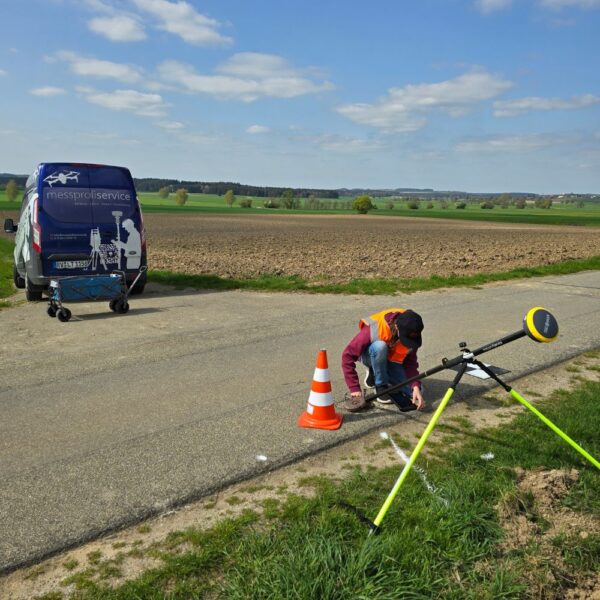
(386, 344)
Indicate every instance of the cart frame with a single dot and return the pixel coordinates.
(92, 287)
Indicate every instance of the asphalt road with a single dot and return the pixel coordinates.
(110, 418)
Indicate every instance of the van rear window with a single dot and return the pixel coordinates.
(107, 202)
(109, 177)
(73, 194)
(68, 205)
(87, 205)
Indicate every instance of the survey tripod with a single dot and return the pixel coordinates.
(540, 326)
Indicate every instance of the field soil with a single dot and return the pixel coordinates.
(339, 248)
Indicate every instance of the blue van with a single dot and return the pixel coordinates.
(77, 219)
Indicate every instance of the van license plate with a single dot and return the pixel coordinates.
(71, 264)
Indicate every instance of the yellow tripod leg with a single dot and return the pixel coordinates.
(554, 428)
(413, 457)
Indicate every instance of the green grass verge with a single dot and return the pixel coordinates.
(6, 269)
(313, 548)
(557, 215)
(367, 286)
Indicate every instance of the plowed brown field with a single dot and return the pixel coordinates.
(341, 248)
(327, 248)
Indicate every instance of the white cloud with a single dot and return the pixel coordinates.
(103, 69)
(84, 89)
(254, 129)
(558, 4)
(405, 109)
(170, 125)
(511, 108)
(182, 19)
(255, 65)
(118, 28)
(246, 77)
(48, 91)
(3, 72)
(489, 6)
(99, 6)
(508, 144)
(145, 105)
(347, 145)
(156, 86)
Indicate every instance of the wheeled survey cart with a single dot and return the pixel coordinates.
(111, 287)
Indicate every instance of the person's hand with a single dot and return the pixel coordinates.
(417, 398)
(355, 402)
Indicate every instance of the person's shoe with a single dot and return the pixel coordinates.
(404, 403)
(355, 403)
(369, 378)
(384, 398)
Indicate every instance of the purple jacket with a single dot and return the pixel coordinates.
(358, 344)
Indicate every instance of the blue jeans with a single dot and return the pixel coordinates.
(375, 357)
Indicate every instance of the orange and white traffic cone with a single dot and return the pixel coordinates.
(320, 412)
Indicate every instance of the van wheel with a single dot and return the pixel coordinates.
(32, 292)
(17, 279)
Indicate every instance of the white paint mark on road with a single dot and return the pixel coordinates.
(430, 487)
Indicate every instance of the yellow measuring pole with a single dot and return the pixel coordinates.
(413, 457)
(554, 428)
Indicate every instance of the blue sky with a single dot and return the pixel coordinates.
(473, 95)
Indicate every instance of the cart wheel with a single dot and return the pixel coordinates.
(63, 314)
(122, 307)
(51, 310)
(113, 304)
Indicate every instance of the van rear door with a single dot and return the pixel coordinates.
(83, 208)
(116, 217)
(65, 217)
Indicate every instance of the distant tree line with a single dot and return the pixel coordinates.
(20, 180)
(220, 188)
(289, 197)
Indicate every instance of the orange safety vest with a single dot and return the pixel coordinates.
(380, 330)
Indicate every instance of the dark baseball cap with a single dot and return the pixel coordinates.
(410, 326)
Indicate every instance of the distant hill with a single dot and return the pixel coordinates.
(146, 184)
(220, 187)
(6, 177)
(383, 192)
(150, 184)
